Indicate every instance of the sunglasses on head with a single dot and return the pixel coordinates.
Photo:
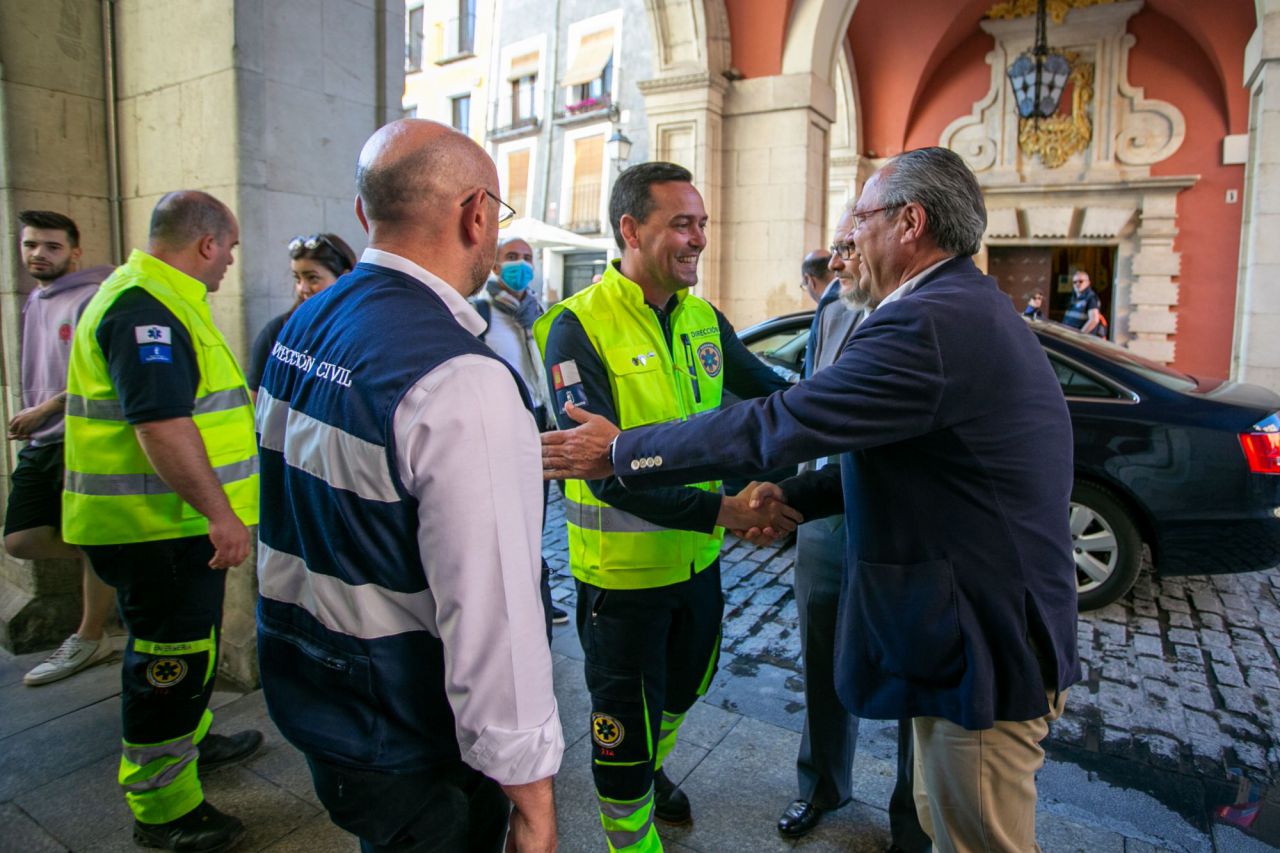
(310, 244)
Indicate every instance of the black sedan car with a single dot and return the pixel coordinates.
(1188, 466)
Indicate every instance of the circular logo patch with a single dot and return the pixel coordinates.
(606, 731)
(166, 672)
(709, 355)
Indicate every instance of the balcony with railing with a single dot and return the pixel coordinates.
(513, 117)
(584, 207)
(587, 109)
(459, 39)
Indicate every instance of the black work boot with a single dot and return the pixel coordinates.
(670, 804)
(204, 829)
(221, 751)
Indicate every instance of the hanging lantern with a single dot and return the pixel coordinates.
(1039, 76)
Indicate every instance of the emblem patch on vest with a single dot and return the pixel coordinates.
(568, 384)
(154, 343)
(606, 731)
(166, 672)
(709, 355)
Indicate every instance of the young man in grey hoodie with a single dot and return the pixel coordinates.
(33, 518)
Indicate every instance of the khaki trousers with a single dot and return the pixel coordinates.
(976, 790)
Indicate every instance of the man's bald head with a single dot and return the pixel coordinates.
(410, 168)
(182, 217)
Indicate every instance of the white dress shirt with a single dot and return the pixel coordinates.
(467, 449)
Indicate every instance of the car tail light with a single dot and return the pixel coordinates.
(1262, 446)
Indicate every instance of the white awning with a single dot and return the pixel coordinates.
(540, 235)
(524, 66)
(594, 52)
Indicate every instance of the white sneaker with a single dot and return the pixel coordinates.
(72, 656)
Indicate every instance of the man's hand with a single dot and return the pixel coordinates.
(533, 818)
(581, 453)
(23, 424)
(767, 517)
(758, 513)
(230, 540)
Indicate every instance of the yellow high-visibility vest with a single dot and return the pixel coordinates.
(112, 493)
(651, 384)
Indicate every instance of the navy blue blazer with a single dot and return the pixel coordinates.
(960, 596)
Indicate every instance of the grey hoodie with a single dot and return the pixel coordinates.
(48, 326)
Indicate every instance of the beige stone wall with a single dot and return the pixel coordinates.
(263, 103)
(52, 156)
(1256, 351)
(776, 155)
(306, 98)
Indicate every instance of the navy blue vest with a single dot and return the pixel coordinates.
(352, 665)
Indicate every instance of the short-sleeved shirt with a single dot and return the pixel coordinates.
(1079, 307)
(150, 357)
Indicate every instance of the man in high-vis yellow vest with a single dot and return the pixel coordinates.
(639, 348)
(161, 481)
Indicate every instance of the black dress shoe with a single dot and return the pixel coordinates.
(799, 819)
(221, 751)
(204, 829)
(670, 804)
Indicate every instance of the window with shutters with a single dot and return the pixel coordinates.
(584, 201)
(517, 194)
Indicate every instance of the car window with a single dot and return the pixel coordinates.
(1076, 384)
(783, 351)
(1152, 371)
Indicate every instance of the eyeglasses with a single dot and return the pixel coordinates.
(315, 241)
(844, 250)
(508, 212)
(860, 217)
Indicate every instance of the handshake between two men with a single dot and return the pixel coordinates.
(758, 514)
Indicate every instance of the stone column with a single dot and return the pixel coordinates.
(262, 104)
(1256, 349)
(53, 156)
(776, 133)
(686, 122)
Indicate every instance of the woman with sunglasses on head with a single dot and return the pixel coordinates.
(317, 262)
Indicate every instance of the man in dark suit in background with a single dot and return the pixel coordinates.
(959, 608)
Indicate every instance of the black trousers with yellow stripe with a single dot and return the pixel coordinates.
(650, 653)
(171, 602)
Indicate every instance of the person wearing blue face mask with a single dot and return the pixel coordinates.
(509, 304)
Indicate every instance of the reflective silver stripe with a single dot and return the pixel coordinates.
(100, 410)
(364, 610)
(141, 755)
(164, 777)
(620, 839)
(607, 519)
(109, 410)
(339, 458)
(149, 484)
(222, 401)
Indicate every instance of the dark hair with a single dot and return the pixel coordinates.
(940, 182)
(52, 221)
(631, 196)
(328, 250)
(815, 264)
(184, 216)
(1035, 294)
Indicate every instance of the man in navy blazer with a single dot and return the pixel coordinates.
(959, 601)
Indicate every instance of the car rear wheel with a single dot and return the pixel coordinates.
(1105, 544)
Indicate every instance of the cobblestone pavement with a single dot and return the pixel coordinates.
(1180, 675)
